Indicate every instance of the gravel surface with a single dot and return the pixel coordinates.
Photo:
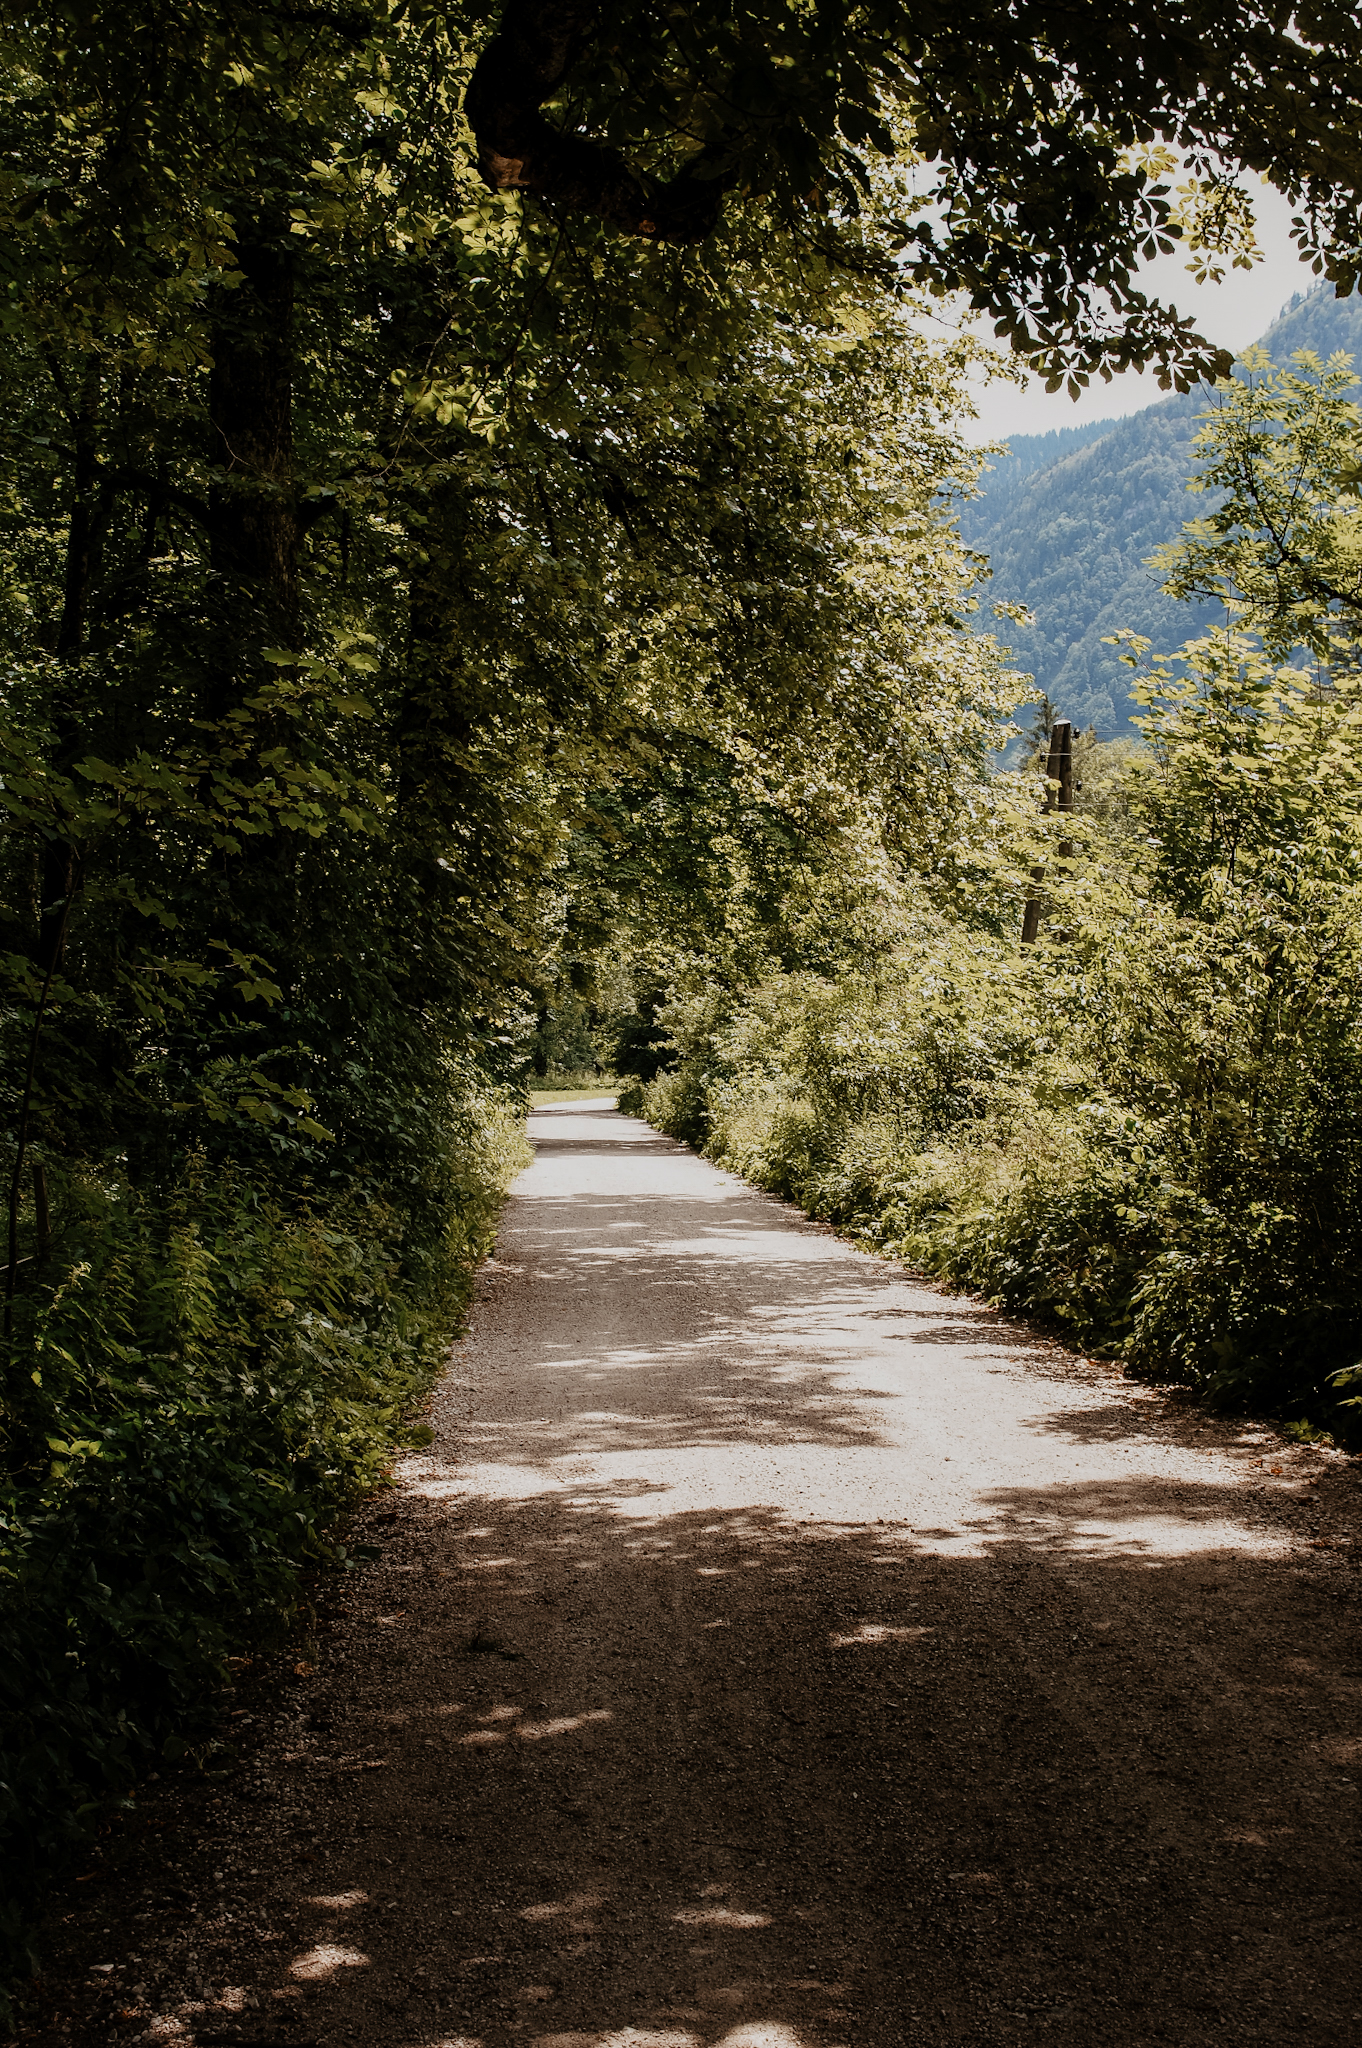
(771, 1651)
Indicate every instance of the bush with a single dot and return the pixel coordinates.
(674, 1102)
(204, 1386)
(1151, 1137)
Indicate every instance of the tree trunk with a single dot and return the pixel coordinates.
(254, 545)
(58, 863)
(525, 62)
(253, 506)
(1059, 768)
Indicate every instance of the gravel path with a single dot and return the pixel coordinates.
(772, 1651)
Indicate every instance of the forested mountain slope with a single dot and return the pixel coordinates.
(1070, 537)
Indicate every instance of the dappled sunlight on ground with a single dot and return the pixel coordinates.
(797, 1375)
(326, 1959)
(744, 1772)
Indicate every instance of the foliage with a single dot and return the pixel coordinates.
(1282, 452)
(434, 625)
(1148, 1127)
(208, 1380)
(1073, 538)
(1046, 139)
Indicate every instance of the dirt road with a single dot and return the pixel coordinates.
(774, 1652)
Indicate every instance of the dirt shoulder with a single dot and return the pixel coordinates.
(771, 1651)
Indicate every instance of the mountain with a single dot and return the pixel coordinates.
(1069, 518)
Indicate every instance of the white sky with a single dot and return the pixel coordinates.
(1233, 314)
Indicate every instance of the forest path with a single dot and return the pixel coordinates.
(771, 1651)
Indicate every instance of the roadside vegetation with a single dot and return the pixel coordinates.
(1146, 1127)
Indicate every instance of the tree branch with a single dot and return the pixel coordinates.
(115, 480)
(519, 151)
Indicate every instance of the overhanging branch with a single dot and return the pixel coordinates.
(520, 151)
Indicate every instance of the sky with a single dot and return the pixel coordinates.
(1233, 314)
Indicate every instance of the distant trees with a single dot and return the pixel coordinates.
(1076, 541)
(1282, 548)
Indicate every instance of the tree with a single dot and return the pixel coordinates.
(1282, 449)
(373, 541)
(402, 599)
(1042, 132)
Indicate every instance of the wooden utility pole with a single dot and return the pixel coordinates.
(1059, 769)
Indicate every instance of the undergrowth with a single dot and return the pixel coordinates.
(1146, 1128)
(1086, 1215)
(199, 1384)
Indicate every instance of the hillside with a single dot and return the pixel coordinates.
(1069, 518)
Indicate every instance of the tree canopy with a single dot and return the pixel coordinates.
(1044, 134)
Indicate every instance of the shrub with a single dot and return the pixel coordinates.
(206, 1384)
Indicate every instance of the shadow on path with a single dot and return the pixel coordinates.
(720, 1773)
